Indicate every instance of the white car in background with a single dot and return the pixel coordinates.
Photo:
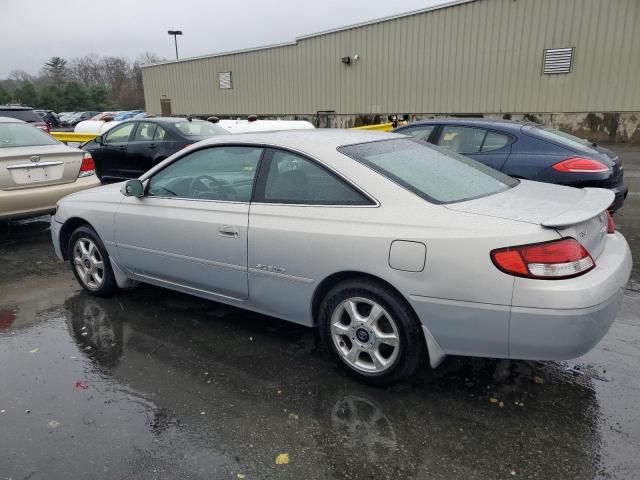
(253, 125)
(97, 127)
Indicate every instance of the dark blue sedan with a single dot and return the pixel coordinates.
(527, 150)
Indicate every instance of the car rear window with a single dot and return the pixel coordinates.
(24, 115)
(557, 136)
(23, 135)
(435, 174)
(196, 128)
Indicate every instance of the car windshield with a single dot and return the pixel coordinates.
(22, 135)
(199, 128)
(435, 174)
(562, 137)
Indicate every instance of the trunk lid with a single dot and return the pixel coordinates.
(573, 212)
(26, 167)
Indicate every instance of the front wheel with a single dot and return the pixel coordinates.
(90, 262)
(372, 332)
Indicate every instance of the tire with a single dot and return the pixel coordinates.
(372, 332)
(90, 262)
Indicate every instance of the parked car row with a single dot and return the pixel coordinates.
(400, 250)
(72, 119)
(49, 120)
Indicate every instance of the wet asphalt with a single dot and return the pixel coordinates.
(153, 384)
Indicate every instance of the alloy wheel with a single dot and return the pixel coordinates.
(365, 335)
(89, 263)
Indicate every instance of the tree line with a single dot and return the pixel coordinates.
(92, 82)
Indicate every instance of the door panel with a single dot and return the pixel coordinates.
(190, 228)
(188, 242)
(141, 151)
(112, 156)
(292, 241)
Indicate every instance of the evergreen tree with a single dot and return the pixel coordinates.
(99, 98)
(26, 94)
(56, 70)
(74, 96)
(51, 98)
(4, 96)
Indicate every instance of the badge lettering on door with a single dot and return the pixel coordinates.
(270, 268)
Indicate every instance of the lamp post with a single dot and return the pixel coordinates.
(175, 34)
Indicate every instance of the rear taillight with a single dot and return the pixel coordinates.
(580, 165)
(557, 259)
(44, 128)
(611, 225)
(88, 166)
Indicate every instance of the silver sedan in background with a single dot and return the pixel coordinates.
(398, 251)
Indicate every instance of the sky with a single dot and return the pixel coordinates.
(32, 31)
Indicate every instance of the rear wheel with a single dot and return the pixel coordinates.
(90, 262)
(372, 332)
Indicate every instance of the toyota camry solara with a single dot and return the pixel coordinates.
(399, 252)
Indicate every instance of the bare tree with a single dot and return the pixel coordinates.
(88, 70)
(20, 76)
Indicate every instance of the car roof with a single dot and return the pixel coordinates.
(477, 122)
(10, 120)
(14, 107)
(311, 141)
(161, 120)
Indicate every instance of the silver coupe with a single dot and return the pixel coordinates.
(398, 251)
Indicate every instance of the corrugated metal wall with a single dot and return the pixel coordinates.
(479, 57)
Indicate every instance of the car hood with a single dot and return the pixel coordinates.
(544, 204)
(103, 192)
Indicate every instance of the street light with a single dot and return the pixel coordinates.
(175, 34)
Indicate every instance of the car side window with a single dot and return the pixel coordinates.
(160, 134)
(494, 141)
(223, 173)
(421, 132)
(463, 140)
(119, 133)
(293, 179)
(145, 132)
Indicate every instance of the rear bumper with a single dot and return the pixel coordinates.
(560, 334)
(620, 193)
(562, 319)
(40, 200)
(550, 319)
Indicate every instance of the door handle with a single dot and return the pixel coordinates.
(122, 147)
(228, 231)
(153, 145)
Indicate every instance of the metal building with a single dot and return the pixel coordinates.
(573, 62)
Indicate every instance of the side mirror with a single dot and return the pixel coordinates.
(132, 188)
(98, 140)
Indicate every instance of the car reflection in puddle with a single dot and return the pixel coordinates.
(96, 333)
(230, 381)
